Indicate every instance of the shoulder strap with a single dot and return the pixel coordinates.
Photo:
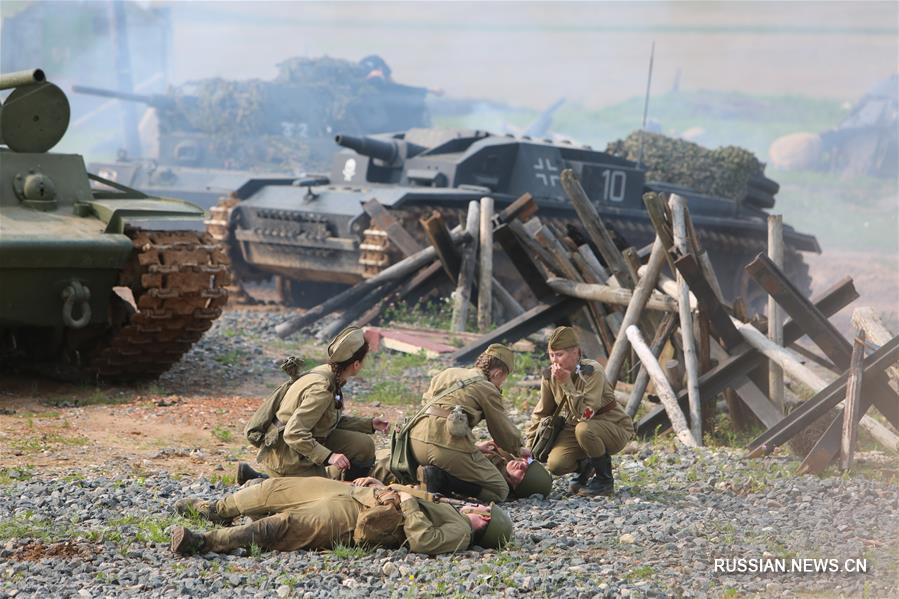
(460, 384)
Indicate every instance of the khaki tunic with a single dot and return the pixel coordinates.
(587, 433)
(433, 444)
(319, 513)
(315, 428)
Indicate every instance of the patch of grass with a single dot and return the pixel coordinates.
(222, 434)
(149, 529)
(392, 393)
(725, 435)
(226, 479)
(10, 476)
(341, 551)
(230, 358)
(28, 527)
(433, 314)
(640, 573)
(255, 550)
(43, 441)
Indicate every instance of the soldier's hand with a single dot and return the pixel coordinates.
(404, 496)
(367, 481)
(379, 424)
(339, 460)
(486, 446)
(559, 373)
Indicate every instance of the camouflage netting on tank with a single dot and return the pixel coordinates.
(311, 99)
(722, 172)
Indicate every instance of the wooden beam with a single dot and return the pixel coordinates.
(541, 315)
(775, 313)
(523, 262)
(666, 328)
(596, 229)
(609, 295)
(462, 295)
(642, 293)
(822, 332)
(745, 359)
(393, 272)
(485, 266)
(851, 413)
(441, 240)
(663, 389)
(396, 233)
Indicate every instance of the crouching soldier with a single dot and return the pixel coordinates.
(595, 425)
(310, 429)
(524, 476)
(455, 402)
(319, 513)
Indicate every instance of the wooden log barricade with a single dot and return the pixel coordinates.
(628, 297)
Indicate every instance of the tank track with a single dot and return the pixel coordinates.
(178, 280)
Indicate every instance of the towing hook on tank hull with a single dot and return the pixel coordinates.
(76, 293)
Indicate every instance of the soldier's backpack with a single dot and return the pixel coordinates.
(264, 415)
(403, 464)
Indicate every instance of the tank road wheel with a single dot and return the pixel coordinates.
(178, 281)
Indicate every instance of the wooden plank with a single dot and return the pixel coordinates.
(851, 413)
(821, 331)
(541, 315)
(441, 240)
(746, 359)
(462, 296)
(393, 272)
(819, 405)
(642, 294)
(663, 389)
(775, 313)
(708, 302)
(609, 295)
(758, 402)
(523, 262)
(397, 235)
(521, 209)
(666, 328)
(596, 229)
(865, 319)
(485, 266)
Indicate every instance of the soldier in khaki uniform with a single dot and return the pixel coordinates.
(441, 440)
(315, 433)
(319, 513)
(595, 425)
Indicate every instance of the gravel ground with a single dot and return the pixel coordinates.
(676, 512)
(99, 532)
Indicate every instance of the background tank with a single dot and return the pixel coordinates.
(312, 234)
(214, 134)
(112, 284)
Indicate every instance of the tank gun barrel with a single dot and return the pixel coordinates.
(20, 78)
(154, 100)
(386, 151)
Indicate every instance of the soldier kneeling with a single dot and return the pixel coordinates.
(595, 425)
(320, 513)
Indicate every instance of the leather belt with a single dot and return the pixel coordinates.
(606, 408)
(437, 411)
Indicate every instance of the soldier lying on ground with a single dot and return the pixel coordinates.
(595, 425)
(524, 476)
(312, 431)
(319, 513)
(458, 399)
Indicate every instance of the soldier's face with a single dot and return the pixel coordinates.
(516, 469)
(498, 376)
(565, 358)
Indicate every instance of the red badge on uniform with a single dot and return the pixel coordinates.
(588, 413)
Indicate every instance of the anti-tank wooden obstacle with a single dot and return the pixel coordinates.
(719, 349)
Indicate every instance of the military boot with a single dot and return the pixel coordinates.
(205, 509)
(581, 476)
(462, 488)
(246, 472)
(602, 483)
(432, 479)
(357, 471)
(187, 542)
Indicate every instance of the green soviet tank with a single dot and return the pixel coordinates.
(97, 281)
